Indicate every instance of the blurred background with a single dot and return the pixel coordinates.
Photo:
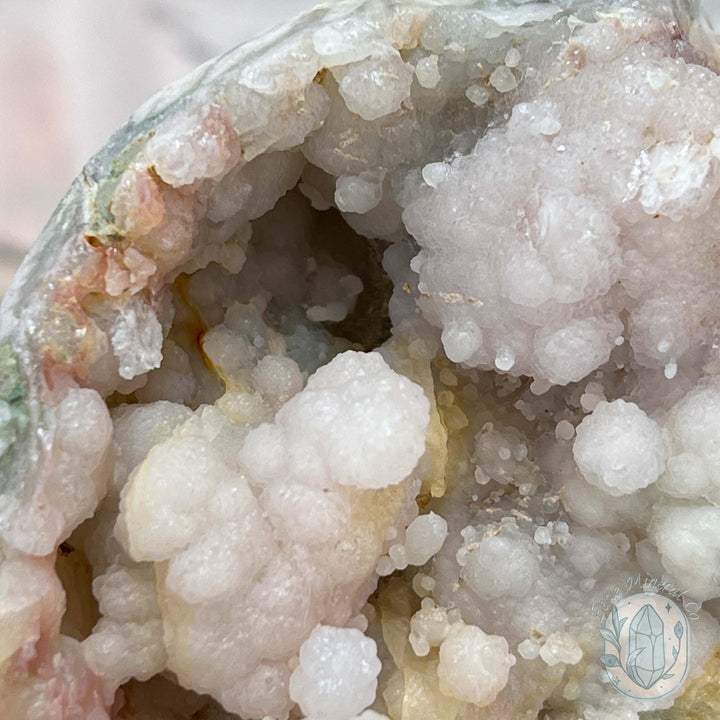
(72, 71)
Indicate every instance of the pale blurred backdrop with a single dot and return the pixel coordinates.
(72, 71)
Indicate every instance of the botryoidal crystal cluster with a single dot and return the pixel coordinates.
(362, 364)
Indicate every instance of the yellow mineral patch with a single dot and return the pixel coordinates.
(436, 444)
(701, 699)
(433, 465)
(411, 690)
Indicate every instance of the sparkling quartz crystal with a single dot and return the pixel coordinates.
(363, 368)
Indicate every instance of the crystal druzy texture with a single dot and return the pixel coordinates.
(359, 366)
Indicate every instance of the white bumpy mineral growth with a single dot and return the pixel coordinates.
(399, 351)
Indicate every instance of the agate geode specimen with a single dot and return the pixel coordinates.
(364, 368)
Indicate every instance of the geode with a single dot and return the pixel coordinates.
(369, 370)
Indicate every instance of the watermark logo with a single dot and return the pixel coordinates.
(646, 645)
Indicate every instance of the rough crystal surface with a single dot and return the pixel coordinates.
(358, 367)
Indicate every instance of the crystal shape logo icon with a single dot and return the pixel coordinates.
(646, 658)
(646, 646)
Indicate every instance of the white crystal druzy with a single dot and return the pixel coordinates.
(424, 537)
(619, 448)
(376, 86)
(314, 492)
(502, 565)
(474, 666)
(688, 539)
(337, 675)
(400, 324)
(356, 419)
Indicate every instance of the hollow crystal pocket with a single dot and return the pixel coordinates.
(367, 369)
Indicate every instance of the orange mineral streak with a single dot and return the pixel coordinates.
(70, 340)
(127, 271)
(169, 243)
(157, 227)
(193, 327)
(137, 205)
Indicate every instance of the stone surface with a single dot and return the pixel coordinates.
(360, 365)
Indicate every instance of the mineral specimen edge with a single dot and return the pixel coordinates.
(363, 366)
